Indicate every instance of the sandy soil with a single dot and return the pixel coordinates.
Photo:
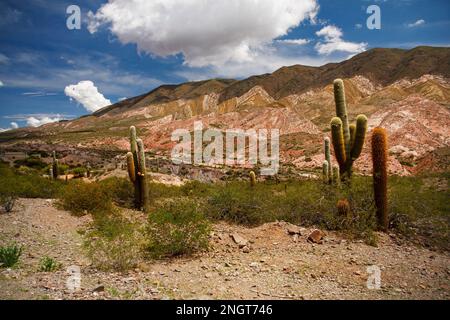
(273, 265)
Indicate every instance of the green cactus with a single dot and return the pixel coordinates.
(379, 161)
(252, 178)
(325, 171)
(327, 151)
(142, 172)
(55, 167)
(137, 171)
(348, 140)
(134, 152)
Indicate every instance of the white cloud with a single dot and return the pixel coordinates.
(358, 26)
(1, 84)
(416, 24)
(14, 125)
(86, 93)
(3, 59)
(298, 42)
(37, 122)
(206, 33)
(333, 42)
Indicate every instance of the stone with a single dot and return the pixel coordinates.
(316, 236)
(292, 229)
(239, 240)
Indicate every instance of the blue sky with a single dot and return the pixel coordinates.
(126, 48)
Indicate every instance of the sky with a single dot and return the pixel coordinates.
(124, 48)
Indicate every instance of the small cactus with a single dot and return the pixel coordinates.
(348, 140)
(252, 178)
(379, 161)
(325, 171)
(343, 208)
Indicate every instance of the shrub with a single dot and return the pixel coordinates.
(31, 162)
(81, 198)
(9, 255)
(176, 228)
(8, 202)
(79, 172)
(27, 186)
(113, 243)
(120, 190)
(48, 264)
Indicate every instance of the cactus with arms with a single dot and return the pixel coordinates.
(137, 171)
(379, 160)
(348, 140)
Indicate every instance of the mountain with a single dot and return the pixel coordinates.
(405, 91)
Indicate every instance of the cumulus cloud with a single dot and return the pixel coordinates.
(333, 42)
(213, 34)
(37, 122)
(86, 93)
(416, 24)
(14, 125)
(297, 42)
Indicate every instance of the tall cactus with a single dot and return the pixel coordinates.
(134, 152)
(142, 172)
(252, 179)
(348, 140)
(328, 159)
(379, 161)
(55, 167)
(137, 171)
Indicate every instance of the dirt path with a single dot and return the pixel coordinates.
(275, 266)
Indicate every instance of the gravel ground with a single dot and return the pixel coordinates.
(270, 263)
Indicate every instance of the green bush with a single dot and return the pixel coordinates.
(48, 264)
(78, 172)
(113, 242)
(120, 190)
(177, 228)
(81, 198)
(31, 162)
(9, 255)
(27, 186)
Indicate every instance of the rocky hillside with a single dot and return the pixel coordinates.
(407, 92)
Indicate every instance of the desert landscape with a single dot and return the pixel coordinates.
(81, 193)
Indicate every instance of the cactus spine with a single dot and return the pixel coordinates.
(137, 171)
(328, 159)
(55, 167)
(348, 140)
(252, 178)
(379, 161)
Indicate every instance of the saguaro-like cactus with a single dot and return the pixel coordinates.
(55, 167)
(379, 161)
(348, 140)
(137, 171)
(252, 178)
(328, 159)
